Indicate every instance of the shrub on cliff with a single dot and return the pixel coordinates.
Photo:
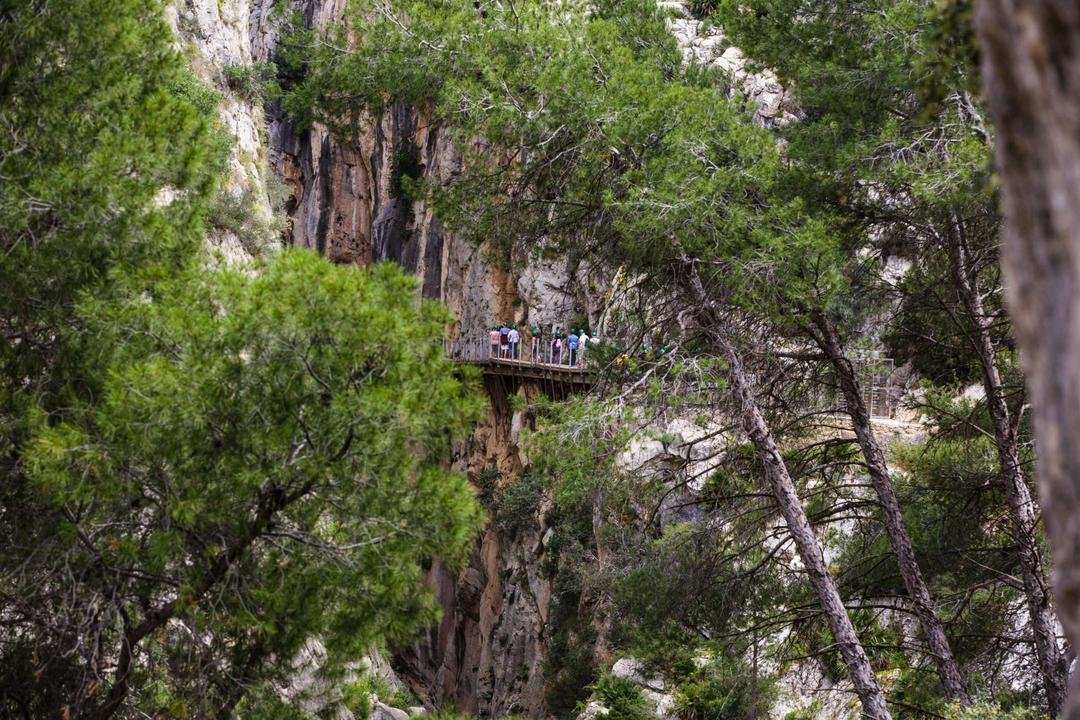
(622, 698)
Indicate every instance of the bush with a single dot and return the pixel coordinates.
(993, 711)
(517, 503)
(514, 506)
(810, 712)
(622, 698)
(255, 82)
(406, 169)
(724, 690)
(702, 8)
(356, 696)
(237, 213)
(571, 664)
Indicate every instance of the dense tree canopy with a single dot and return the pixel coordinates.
(871, 218)
(206, 469)
(211, 472)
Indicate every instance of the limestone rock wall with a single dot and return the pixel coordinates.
(340, 202)
(704, 44)
(487, 654)
(216, 35)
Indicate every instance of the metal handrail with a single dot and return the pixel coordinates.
(536, 351)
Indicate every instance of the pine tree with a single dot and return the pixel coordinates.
(204, 469)
(1028, 52)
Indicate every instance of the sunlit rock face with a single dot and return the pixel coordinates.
(705, 45)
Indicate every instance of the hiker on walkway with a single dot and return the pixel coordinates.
(583, 342)
(514, 337)
(494, 337)
(504, 341)
(534, 333)
(572, 344)
(556, 349)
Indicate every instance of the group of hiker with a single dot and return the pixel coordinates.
(573, 345)
(564, 348)
(505, 341)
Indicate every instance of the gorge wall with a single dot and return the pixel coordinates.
(487, 654)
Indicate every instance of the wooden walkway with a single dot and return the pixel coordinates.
(544, 372)
(554, 379)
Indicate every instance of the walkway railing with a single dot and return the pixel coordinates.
(530, 351)
(880, 395)
(875, 373)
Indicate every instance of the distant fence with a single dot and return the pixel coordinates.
(880, 395)
(876, 377)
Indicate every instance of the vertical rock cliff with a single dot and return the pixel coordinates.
(312, 190)
(487, 654)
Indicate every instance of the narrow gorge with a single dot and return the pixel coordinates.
(522, 360)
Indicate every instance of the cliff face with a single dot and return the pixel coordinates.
(338, 198)
(487, 654)
(340, 202)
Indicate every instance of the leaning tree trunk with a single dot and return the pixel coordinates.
(806, 541)
(791, 507)
(923, 605)
(1023, 513)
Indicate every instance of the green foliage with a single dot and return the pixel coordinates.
(255, 82)
(687, 579)
(702, 8)
(622, 698)
(356, 695)
(724, 689)
(104, 117)
(107, 167)
(927, 329)
(241, 215)
(916, 690)
(405, 170)
(207, 466)
(574, 448)
(581, 132)
(572, 471)
(570, 666)
(810, 712)
(514, 505)
(286, 427)
(992, 711)
(605, 129)
(518, 504)
(954, 513)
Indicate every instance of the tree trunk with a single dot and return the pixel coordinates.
(791, 507)
(806, 541)
(1031, 68)
(948, 670)
(1023, 514)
